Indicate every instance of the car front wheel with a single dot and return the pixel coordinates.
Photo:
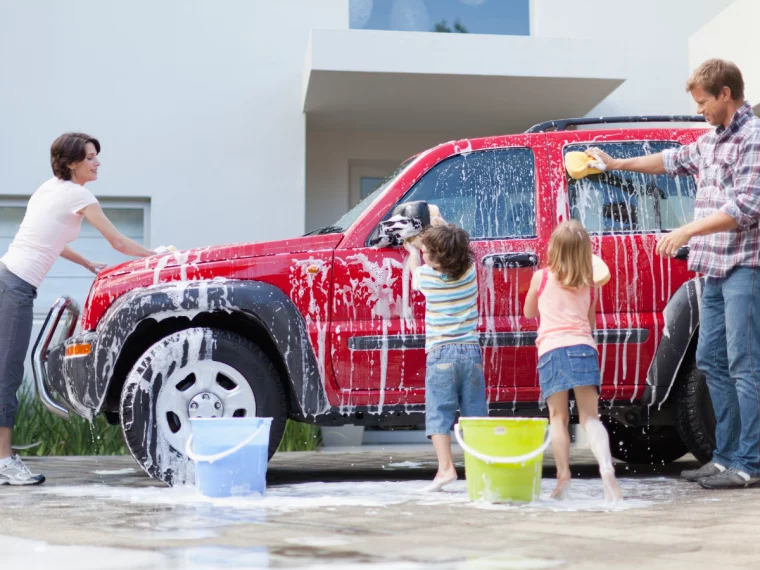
(195, 373)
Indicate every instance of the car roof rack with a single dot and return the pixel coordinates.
(563, 124)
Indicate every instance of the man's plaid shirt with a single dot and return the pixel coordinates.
(727, 163)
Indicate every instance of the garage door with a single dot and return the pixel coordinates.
(66, 277)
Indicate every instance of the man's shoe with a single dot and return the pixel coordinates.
(16, 473)
(729, 479)
(708, 470)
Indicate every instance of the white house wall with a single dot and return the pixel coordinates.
(197, 105)
(329, 155)
(732, 35)
(652, 34)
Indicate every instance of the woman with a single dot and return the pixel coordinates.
(53, 219)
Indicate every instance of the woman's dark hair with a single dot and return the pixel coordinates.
(449, 247)
(68, 149)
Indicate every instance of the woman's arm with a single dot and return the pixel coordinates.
(73, 256)
(121, 243)
(530, 310)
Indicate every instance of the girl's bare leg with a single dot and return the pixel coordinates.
(587, 399)
(559, 417)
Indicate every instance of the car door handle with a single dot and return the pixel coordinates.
(510, 260)
(682, 253)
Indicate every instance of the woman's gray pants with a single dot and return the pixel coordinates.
(16, 316)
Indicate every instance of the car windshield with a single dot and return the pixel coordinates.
(353, 214)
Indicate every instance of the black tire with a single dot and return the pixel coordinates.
(653, 445)
(164, 382)
(695, 417)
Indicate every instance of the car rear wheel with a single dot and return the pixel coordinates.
(195, 373)
(695, 416)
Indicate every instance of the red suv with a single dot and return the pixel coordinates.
(326, 329)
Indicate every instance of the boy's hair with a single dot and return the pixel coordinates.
(449, 247)
(570, 255)
(715, 74)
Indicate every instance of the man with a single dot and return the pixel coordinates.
(725, 248)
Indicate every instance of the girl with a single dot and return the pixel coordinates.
(53, 218)
(565, 297)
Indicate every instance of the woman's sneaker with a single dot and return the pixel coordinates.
(14, 472)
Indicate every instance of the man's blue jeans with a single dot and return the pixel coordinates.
(729, 355)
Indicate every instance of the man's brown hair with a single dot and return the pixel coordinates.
(69, 149)
(715, 74)
(449, 248)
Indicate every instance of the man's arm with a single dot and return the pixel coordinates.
(648, 164)
(743, 211)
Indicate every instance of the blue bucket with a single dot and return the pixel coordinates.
(230, 455)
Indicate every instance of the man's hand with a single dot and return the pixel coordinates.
(670, 243)
(96, 267)
(603, 157)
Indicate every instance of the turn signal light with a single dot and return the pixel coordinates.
(74, 350)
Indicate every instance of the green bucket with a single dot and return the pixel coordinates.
(503, 457)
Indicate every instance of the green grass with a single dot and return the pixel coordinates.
(77, 436)
(60, 437)
(300, 437)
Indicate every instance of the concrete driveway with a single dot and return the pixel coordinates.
(362, 508)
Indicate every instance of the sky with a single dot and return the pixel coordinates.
(510, 17)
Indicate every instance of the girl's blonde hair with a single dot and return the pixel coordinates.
(570, 255)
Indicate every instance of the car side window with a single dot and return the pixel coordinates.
(489, 193)
(630, 202)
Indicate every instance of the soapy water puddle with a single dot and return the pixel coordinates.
(182, 516)
(23, 553)
(585, 495)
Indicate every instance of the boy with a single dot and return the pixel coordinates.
(454, 366)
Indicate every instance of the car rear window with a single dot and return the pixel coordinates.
(630, 202)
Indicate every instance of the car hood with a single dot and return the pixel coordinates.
(225, 253)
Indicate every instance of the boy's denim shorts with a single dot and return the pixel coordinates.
(567, 368)
(454, 380)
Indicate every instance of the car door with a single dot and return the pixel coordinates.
(626, 213)
(493, 193)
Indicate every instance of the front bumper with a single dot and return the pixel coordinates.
(63, 382)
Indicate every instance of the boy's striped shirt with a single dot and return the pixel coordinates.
(451, 311)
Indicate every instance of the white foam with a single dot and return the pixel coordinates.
(127, 471)
(584, 495)
(408, 464)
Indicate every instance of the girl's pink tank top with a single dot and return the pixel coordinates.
(563, 315)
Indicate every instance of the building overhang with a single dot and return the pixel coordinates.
(465, 85)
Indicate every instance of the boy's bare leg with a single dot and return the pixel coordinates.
(559, 417)
(446, 471)
(587, 399)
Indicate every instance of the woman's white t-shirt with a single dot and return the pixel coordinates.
(52, 220)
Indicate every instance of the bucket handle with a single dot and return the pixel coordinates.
(503, 460)
(212, 458)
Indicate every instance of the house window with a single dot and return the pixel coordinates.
(499, 17)
(629, 202)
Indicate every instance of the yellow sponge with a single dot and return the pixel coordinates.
(579, 164)
(601, 271)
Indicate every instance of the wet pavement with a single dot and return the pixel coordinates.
(362, 508)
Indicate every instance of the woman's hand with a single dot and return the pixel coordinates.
(95, 267)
